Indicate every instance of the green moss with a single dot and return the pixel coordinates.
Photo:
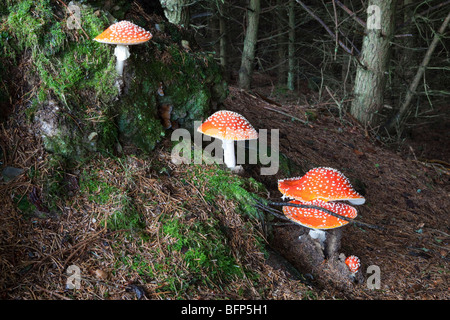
(188, 79)
(66, 60)
(80, 73)
(127, 217)
(204, 250)
(97, 189)
(218, 182)
(61, 145)
(138, 124)
(203, 244)
(26, 208)
(123, 213)
(138, 263)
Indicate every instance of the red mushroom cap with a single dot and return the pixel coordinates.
(228, 125)
(124, 33)
(353, 263)
(325, 184)
(318, 219)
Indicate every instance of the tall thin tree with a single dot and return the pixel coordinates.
(291, 46)
(251, 37)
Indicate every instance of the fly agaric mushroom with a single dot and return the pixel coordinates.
(325, 184)
(353, 263)
(317, 220)
(228, 126)
(321, 184)
(123, 34)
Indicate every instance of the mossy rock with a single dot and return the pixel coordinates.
(96, 108)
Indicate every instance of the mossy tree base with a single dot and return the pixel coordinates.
(79, 104)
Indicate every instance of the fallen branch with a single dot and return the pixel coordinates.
(269, 101)
(289, 115)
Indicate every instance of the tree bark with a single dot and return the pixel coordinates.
(223, 42)
(370, 78)
(281, 44)
(177, 11)
(407, 57)
(291, 46)
(251, 36)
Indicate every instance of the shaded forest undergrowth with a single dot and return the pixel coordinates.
(140, 227)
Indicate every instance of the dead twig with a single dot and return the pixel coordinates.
(331, 213)
(51, 293)
(290, 116)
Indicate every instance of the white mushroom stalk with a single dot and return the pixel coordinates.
(319, 216)
(318, 234)
(228, 153)
(122, 53)
(228, 126)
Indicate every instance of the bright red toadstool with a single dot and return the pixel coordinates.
(353, 263)
(317, 219)
(228, 126)
(325, 184)
(123, 34)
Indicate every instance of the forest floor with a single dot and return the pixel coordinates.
(407, 190)
(407, 194)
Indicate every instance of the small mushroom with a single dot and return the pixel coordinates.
(228, 126)
(123, 34)
(353, 263)
(322, 183)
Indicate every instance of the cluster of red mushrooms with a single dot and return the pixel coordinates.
(318, 189)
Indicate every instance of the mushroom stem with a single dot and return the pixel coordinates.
(122, 53)
(228, 153)
(318, 234)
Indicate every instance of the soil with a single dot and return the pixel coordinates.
(405, 195)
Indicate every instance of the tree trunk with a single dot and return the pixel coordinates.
(223, 42)
(408, 54)
(251, 36)
(370, 80)
(177, 11)
(281, 44)
(291, 46)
